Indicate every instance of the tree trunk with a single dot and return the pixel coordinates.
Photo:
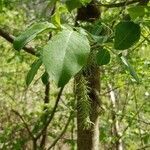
(88, 139)
(118, 145)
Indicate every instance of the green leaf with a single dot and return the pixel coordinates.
(103, 57)
(1, 5)
(130, 68)
(65, 55)
(72, 4)
(96, 29)
(30, 33)
(33, 71)
(55, 18)
(136, 11)
(84, 2)
(45, 78)
(97, 32)
(126, 35)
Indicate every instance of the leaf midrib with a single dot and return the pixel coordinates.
(65, 48)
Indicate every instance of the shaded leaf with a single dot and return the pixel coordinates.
(45, 78)
(1, 5)
(73, 4)
(30, 33)
(103, 57)
(126, 35)
(130, 68)
(33, 71)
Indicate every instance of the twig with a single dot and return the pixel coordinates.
(11, 97)
(130, 123)
(52, 114)
(138, 117)
(139, 44)
(10, 38)
(140, 120)
(46, 101)
(25, 124)
(144, 147)
(121, 4)
(115, 125)
(107, 92)
(146, 38)
(115, 88)
(62, 133)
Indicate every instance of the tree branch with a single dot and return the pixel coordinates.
(144, 147)
(115, 124)
(52, 114)
(46, 101)
(25, 124)
(146, 37)
(10, 39)
(130, 123)
(62, 133)
(121, 4)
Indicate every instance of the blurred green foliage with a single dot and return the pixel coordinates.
(133, 100)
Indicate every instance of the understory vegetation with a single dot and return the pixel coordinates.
(74, 79)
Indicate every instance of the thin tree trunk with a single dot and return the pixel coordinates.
(118, 145)
(46, 101)
(88, 139)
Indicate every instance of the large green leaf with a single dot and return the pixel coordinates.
(33, 71)
(65, 55)
(129, 68)
(127, 33)
(30, 33)
(103, 57)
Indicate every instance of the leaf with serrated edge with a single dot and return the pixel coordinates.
(64, 55)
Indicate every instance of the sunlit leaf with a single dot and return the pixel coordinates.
(65, 55)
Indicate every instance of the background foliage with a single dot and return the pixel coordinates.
(132, 104)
